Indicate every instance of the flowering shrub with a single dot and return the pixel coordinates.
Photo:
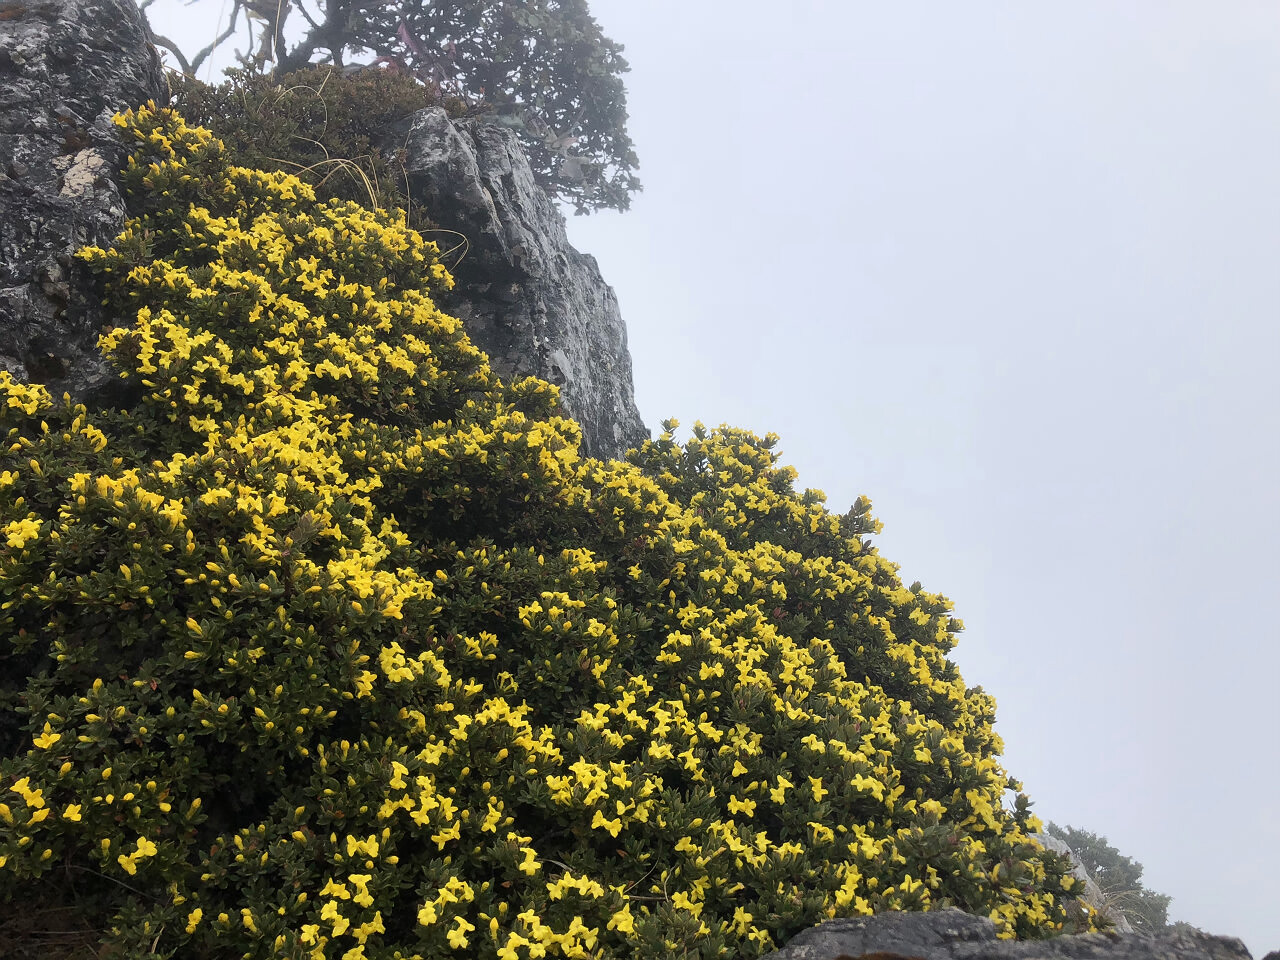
(331, 645)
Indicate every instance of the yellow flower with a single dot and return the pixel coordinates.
(779, 794)
(330, 912)
(48, 738)
(529, 864)
(623, 920)
(193, 919)
(818, 791)
(613, 826)
(683, 902)
(365, 930)
(72, 813)
(364, 681)
(334, 889)
(19, 532)
(458, 935)
(362, 895)
(509, 952)
(33, 798)
(368, 846)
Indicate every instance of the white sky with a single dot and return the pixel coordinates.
(1010, 270)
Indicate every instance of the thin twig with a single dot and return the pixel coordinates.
(96, 873)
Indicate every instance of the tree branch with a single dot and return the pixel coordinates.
(167, 44)
(300, 55)
(218, 41)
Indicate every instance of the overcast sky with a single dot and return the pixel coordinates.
(1010, 270)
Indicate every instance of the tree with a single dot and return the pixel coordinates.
(542, 67)
(1119, 877)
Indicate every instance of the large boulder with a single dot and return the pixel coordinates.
(531, 301)
(955, 935)
(66, 66)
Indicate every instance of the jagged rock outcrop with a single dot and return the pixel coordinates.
(531, 301)
(1093, 894)
(66, 66)
(955, 935)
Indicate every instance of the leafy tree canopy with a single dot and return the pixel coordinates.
(542, 67)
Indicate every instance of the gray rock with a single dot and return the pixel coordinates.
(531, 301)
(66, 66)
(955, 935)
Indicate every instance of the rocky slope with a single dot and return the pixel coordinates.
(531, 301)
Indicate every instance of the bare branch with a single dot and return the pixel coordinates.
(204, 54)
(167, 44)
(306, 16)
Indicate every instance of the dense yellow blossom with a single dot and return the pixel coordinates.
(331, 644)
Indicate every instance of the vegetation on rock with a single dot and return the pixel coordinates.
(543, 68)
(330, 644)
(1120, 880)
(319, 124)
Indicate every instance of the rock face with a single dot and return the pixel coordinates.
(955, 935)
(66, 66)
(531, 301)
